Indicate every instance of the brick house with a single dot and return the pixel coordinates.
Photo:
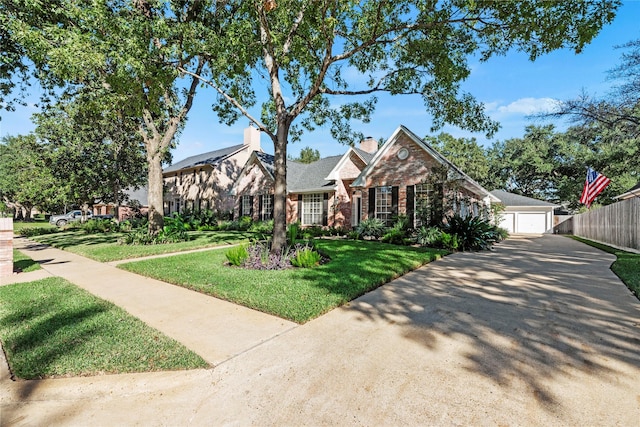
(203, 181)
(363, 183)
(317, 193)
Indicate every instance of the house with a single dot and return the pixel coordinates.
(525, 215)
(317, 193)
(630, 194)
(136, 199)
(398, 179)
(203, 181)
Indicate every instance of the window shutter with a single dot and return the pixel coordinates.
(260, 206)
(372, 203)
(325, 208)
(394, 200)
(240, 207)
(270, 213)
(300, 207)
(250, 213)
(411, 204)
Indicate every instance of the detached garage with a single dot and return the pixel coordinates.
(524, 215)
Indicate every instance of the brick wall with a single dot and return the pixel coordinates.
(6, 247)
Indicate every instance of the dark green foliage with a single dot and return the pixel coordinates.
(399, 233)
(293, 231)
(473, 233)
(94, 226)
(37, 231)
(429, 236)
(312, 232)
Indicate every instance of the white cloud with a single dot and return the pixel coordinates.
(524, 106)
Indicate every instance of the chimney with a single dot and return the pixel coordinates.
(369, 145)
(252, 138)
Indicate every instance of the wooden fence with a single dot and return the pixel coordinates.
(617, 224)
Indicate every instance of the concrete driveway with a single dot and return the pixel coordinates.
(537, 332)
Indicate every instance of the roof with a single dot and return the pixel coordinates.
(305, 177)
(211, 158)
(511, 199)
(140, 194)
(633, 191)
(365, 155)
(467, 180)
(301, 177)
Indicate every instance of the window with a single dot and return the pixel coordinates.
(177, 203)
(424, 204)
(267, 207)
(312, 209)
(246, 208)
(384, 205)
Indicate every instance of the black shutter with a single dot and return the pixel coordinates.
(251, 207)
(260, 205)
(240, 207)
(394, 201)
(372, 203)
(325, 208)
(411, 204)
(270, 213)
(300, 208)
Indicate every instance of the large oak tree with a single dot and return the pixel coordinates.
(305, 53)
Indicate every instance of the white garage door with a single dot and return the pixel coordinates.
(507, 222)
(531, 223)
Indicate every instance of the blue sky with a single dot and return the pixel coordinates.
(511, 87)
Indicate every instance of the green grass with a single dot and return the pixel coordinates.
(23, 263)
(51, 328)
(626, 266)
(104, 247)
(356, 267)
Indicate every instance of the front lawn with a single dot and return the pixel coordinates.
(23, 263)
(356, 267)
(626, 267)
(104, 247)
(51, 328)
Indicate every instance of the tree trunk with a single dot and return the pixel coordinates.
(155, 184)
(280, 190)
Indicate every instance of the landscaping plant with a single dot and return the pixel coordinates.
(371, 227)
(237, 255)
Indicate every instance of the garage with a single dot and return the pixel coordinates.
(525, 215)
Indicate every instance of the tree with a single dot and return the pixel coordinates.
(465, 153)
(25, 179)
(307, 155)
(93, 149)
(133, 48)
(311, 51)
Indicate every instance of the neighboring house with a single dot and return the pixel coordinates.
(362, 183)
(125, 210)
(524, 215)
(204, 181)
(630, 194)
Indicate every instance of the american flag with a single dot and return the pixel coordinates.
(593, 185)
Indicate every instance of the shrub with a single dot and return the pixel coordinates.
(450, 241)
(353, 235)
(473, 233)
(262, 228)
(312, 232)
(395, 236)
(429, 236)
(371, 227)
(138, 236)
(237, 255)
(305, 257)
(37, 231)
(293, 231)
(94, 226)
(260, 258)
(243, 223)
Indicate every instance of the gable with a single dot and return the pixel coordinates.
(255, 178)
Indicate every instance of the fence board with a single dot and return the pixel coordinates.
(617, 224)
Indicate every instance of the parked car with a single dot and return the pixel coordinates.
(72, 216)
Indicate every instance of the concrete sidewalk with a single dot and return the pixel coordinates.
(537, 332)
(215, 329)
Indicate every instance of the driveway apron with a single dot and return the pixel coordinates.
(537, 332)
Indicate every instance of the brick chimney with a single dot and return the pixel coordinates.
(369, 145)
(252, 138)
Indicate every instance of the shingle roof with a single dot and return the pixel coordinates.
(211, 158)
(301, 176)
(511, 199)
(365, 155)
